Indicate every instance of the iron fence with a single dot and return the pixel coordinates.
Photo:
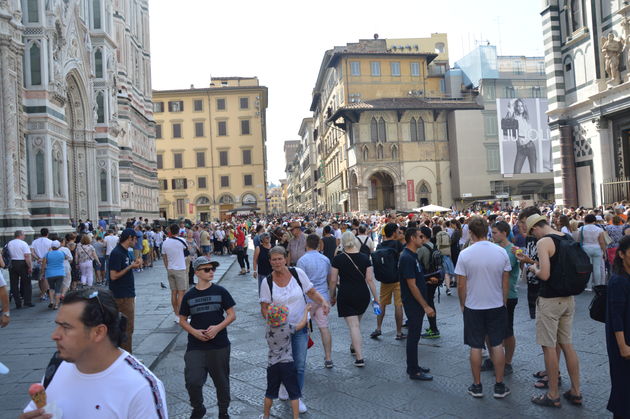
(615, 190)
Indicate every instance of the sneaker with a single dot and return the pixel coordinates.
(487, 365)
(508, 369)
(282, 393)
(359, 363)
(328, 364)
(198, 413)
(448, 292)
(430, 334)
(475, 390)
(500, 390)
(302, 407)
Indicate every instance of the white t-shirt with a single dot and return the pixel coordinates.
(589, 235)
(319, 231)
(483, 264)
(174, 251)
(464, 238)
(41, 246)
(290, 296)
(110, 241)
(127, 389)
(18, 248)
(337, 233)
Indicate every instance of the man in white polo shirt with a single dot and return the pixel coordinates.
(175, 264)
(483, 272)
(20, 270)
(39, 248)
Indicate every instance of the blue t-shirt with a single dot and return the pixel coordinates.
(54, 264)
(409, 266)
(140, 236)
(123, 287)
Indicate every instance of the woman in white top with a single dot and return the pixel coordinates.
(592, 239)
(287, 292)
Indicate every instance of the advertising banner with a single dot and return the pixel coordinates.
(411, 192)
(524, 140)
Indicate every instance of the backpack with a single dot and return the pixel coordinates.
(385, 264)
(573, 268)
(365, 249)
(442, 240)
(293, 273)
(6, 256)
(435, 259)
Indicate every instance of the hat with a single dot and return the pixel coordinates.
(202, 260)
(533, 219)
(126, 233)
(277, 315)
(55, 244)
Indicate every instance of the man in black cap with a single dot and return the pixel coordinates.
(121, 281)
(211, 309)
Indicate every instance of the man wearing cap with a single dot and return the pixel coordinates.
(211, 309)
(297, 243)
(121, 281)
(554, 315)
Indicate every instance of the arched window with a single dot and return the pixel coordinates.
(394, 152)
(576, 15)
(98, 63)
(40, 167)
(226, 199)
(379, 152)
(420, 128)
(36, 64)
(202, 200)
(103, 185)
(96, 14)
(374, 130)
(382, 129)
(100, 108)
(366, 153)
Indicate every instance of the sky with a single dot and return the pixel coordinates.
(283, 42)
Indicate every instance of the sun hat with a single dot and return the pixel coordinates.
(533, 219)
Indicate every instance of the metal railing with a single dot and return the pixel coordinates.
(615, 190)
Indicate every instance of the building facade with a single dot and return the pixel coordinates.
(380, 114)
(308, 168)
(587, 66)
(481, 169)
(76, 123)
(211, 153)
(292, 170)
(276, 204)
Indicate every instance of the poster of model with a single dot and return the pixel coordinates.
(524, 140)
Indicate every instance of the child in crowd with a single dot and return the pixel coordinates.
(281, 369)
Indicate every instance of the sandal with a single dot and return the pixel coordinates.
(376, 333)
(574, 400)
(540, 374)
(545, 401)
(544, 383)
(401, 336)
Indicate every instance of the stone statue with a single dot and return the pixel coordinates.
(612, 49)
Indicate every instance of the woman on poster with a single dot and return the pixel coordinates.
(518, 118)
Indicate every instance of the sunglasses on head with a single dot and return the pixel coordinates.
(93, 296)
(206, 270)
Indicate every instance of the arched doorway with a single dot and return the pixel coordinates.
(381, 192)
(423, 194)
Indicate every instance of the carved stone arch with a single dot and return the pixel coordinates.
(423, 193)
(248, 198)
(226, 198)
(203, 199)
(395, 175)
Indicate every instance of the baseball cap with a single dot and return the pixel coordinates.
(202, 260)
(126, 233)
(55, 244)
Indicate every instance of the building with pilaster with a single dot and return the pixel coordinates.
(76, 130)
(588, 71)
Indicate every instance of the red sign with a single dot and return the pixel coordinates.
(411, 191)
(191, 208)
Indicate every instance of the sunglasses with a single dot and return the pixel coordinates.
(206, 270)
(94, 296)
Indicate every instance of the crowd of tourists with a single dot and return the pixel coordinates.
(306, 265)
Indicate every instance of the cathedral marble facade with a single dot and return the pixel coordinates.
(76, 118)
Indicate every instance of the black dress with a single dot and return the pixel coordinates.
(617, 320)
(353, 297)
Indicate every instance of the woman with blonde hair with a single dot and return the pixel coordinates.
(87, 257)
(353, 270)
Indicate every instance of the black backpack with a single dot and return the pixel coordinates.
(435, 260)
(573, 268)
(385, 264)
(365, 249)
(6, 256)
(293, 273)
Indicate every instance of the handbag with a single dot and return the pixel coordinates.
(597, 308)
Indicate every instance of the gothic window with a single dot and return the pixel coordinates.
(100, 108)
(374, 130)
(40, 167)
(103, 185)
(58, 174)
(96, 14)
(382, 129)
(98, 63)
(36, 64)
(114, 187)
(379, 152)
(416, 127)
(33, 11)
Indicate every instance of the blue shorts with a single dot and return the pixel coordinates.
(205, 249)
(282, 373)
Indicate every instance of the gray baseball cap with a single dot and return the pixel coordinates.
(202, 260)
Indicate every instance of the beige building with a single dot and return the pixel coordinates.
(380, 112)
(211, 153)
(276, 203)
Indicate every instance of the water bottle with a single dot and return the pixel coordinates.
(376, 307)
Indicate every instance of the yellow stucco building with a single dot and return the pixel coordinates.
(211, 154)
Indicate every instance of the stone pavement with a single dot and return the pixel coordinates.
(381, 389)
(26, 347)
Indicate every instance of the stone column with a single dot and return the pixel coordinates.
(567, 165)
